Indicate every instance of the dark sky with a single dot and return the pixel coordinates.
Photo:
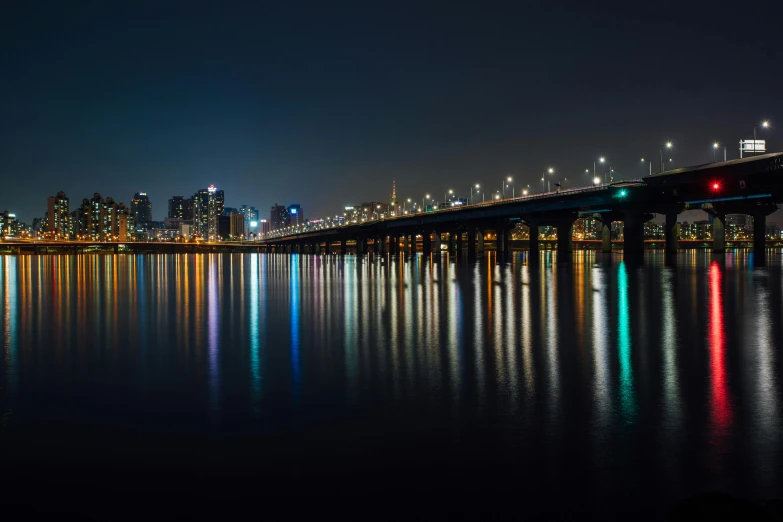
(323, 104)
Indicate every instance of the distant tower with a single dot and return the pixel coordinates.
(393, 206)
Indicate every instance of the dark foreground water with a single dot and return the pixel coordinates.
(218, 386)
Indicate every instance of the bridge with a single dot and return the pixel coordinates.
(751, 186)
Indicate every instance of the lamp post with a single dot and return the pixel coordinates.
(445, 199)
(650, 165)
(765, 125)
(503, 186)
(596, 180)
(550, 170)
(601, 160)
(526, 191)
(668, 146)
(471, 193)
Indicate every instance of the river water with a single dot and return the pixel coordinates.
(188, 384)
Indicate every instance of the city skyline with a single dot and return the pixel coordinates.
(323, 122)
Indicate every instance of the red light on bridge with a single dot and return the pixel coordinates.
(716, 186)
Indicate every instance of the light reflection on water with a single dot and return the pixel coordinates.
(588, 368)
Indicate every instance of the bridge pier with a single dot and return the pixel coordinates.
(459, 242)
(533, 247)
(382, 245)
(361, 246)
(471, 239)
(437, 245)
(480, 242)
(502, 233)
(606, 237)
(759, 239)
(633, 230)
(343, 246)
(718, 234)
(452, 241)
(426, 243)
(565, 241)
(672, 233)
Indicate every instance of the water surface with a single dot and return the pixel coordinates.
(452, 387)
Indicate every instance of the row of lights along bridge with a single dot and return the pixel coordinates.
(508, 189)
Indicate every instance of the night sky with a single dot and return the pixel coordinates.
(323, 105)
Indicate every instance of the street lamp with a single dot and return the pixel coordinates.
(668, 146)
(550, 170)
(471, 192)
(715, 147)
(450, 192)
(601, 160)
(643, 161)
(596, 180)
(764, 125)
(503, 186)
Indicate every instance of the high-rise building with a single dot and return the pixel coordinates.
(237, 225)
(251, 219)
(208, 205)
(223, 227)
(141, 208)
(181, 208)
(99, 219)
(264, 228)
(58, 220)
(295, 215)
(8, 224)
(278, 218)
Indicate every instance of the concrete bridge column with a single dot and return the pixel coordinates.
(759, 239)
(116, 249)
(436, 246)
(452, 241)
(459, 241)
(672, 232)
(718, 234)
(471, 237)
(533, 247)
(502, 234)
(426, 242)
(565, 241)
(633, 230)
(361, 246)
(406, 245)
(382, 245)
(606, 237)
(480, 244)
(343, 246)
(328, 247)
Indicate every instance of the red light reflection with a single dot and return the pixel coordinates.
(720, 403)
